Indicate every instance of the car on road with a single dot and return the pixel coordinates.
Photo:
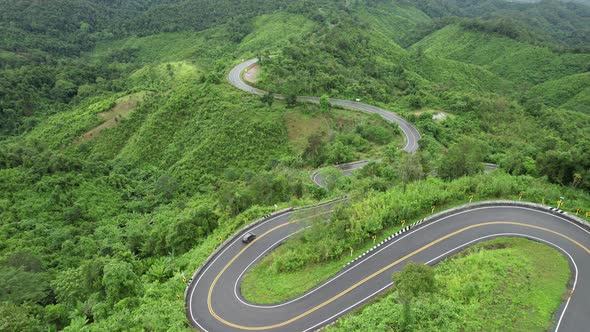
(248, 237)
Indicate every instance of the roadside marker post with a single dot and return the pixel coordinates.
(560, 202)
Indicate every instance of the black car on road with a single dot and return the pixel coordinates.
(248, 237)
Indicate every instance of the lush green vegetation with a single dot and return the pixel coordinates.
(524, 101)
(339, 136)
(477, 289)
(516, 61)
(96, 233)
(317, 254)
(570, 93)
(93, 230)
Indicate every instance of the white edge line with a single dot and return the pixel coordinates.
(449, 252)
(213, 262)
(385, 247)
(256, 260)
(367, 255)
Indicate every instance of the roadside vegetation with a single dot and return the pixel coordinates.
(521, 99)
(481, 288)
(315, 255)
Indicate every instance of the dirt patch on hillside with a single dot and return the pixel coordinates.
(429, 111)
(113, 117)
(300, 127)
(436, 115)
(251, 74)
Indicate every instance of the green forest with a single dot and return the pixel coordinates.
(126, 158)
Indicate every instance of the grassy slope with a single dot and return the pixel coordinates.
(186, 127)
(123, 108)
(302, 124)
(518, 62)
(173, 62)
(62, 128)
(454, 75)
(334, 56)
(397, 22)
(189, 54)
(271, 32)
(160, 48)
(580, 102)
(570, 92)
(516, 285)
(364, 69)
(208, 47)
(194, 129)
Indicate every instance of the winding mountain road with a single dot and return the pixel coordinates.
(410, 132)
(214, 303)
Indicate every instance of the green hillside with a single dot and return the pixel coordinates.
(570, 92)
(455, 75)
(519, 62)
(399, 22)
(334, 59)
(549, 22)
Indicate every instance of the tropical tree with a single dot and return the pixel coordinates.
(291, 100)
(463, 158)
(325, 104)
(268, 98)
(415, 279)
(409, 168)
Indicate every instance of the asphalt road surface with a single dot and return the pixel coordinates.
(213, 299)
(411, 133)
(346, 169)
(214, 302)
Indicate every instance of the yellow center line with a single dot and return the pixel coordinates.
(364, 280)
(242, 251)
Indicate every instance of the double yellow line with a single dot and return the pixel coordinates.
(364, 280)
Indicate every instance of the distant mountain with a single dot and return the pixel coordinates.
(586, 2)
